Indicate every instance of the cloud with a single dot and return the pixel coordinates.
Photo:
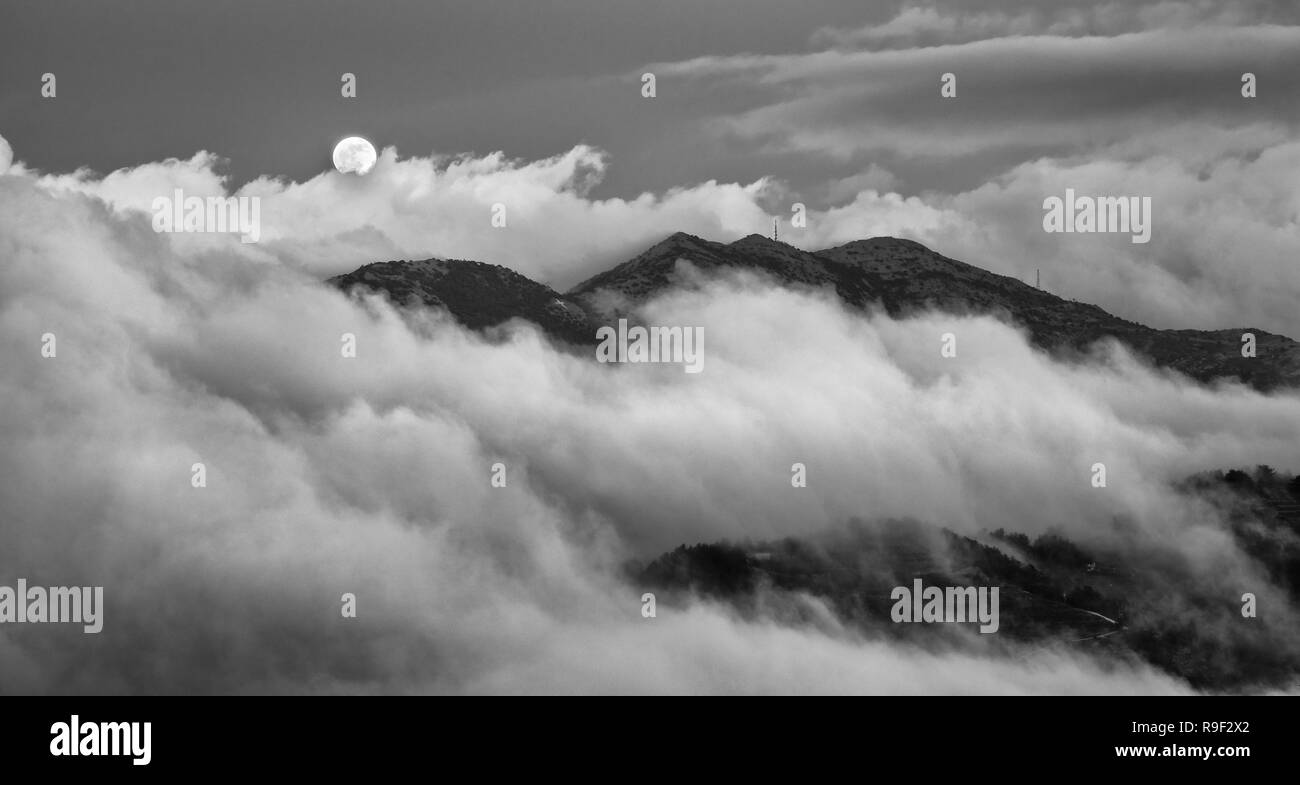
(370, 475)
(931, 24)
(421, 207)
(1097, 97)
(1226, 224)
(1224, 232)
(1016, 95)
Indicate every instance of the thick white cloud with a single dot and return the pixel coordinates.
(370, 475)
(1224, 237)
(1225, 228)
(422, 207)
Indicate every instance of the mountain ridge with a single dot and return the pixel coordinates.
(901, 276)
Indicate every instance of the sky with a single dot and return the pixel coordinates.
(258, 83)
(758, 106)
(369, 475)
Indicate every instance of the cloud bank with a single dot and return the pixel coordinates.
(371, 475)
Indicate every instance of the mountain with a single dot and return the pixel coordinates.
(478, 295)
(1109, 599)
(1124, 600)
(900, 276)
(905, 275)
(651, 271)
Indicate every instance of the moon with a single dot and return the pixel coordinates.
(354, 155)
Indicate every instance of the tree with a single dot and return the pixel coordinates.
(1238, 478)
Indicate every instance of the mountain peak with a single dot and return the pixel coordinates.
(755, 238)
(478, 295)
(678, 239)
(902, 276)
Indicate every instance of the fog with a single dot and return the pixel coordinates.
(371, 475)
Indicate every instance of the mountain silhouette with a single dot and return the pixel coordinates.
(1107, 599)
(478, 295)
(901, 276)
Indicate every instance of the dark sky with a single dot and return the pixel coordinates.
(370, 474)
(761, 104)
(258, 82)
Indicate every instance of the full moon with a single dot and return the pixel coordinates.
(354, 155)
